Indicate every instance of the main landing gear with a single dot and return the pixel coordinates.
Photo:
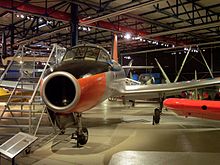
(156, 116)
(157, 112)
(81, 134)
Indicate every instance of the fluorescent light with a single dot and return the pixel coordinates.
(42, 25)
(127, 36)
(127, 57)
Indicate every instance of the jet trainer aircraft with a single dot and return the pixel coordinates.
(87, 76)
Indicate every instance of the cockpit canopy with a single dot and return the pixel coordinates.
(87, 52)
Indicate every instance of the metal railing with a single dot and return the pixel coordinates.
(56, 52)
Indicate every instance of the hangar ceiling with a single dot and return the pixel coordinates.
(151, 23)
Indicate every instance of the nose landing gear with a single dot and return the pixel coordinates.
(81, 134)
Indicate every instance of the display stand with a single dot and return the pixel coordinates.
(15, 145)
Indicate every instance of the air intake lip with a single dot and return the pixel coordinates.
(52, 91)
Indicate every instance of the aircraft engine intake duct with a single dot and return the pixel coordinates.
(60, 91)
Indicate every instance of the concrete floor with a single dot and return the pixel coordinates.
(121, 135)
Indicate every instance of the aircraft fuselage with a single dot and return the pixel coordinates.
(79, 84)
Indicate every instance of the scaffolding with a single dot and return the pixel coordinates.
(24, 104)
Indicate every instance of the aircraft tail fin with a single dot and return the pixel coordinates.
(163, 72)
(115, 48)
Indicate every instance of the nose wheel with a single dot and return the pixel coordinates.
(81, 136)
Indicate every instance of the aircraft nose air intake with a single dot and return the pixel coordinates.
(60, 91)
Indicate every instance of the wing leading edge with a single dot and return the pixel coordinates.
(13, 84)
(154, 90)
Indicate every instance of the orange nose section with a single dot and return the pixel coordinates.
(92, 92)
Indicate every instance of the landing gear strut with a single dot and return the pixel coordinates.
(81, 134)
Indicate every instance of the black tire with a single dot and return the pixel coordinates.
(156, 116)
(83, 138)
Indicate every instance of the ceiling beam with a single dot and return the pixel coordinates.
(117, 13)
(183, 30)
(171, 48)
(63, 16)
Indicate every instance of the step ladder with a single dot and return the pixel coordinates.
(24, 109)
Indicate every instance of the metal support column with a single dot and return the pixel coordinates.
(74, 24)
(4, 50)
(211, 56)
(196, 90)
(12, 35)
(146, 62)
(12, 40)
(206, 63)
(182, 65)
(163, 72)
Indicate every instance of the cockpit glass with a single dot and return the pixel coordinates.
(103, 56)
(92, 53)
(87, 53)
(80, 52)
(69, 55)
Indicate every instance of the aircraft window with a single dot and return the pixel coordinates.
(103, 56)
(69, 55)
(92, 53)
(80, 52)
(87, 52)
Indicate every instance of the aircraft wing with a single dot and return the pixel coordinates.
(155, 90)
(131, 66)
(12, 84)
(4, 92)
(137, 67)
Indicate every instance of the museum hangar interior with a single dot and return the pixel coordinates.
(83, 82)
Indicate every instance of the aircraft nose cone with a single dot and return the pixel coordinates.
(166, 102)
(170, 103)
